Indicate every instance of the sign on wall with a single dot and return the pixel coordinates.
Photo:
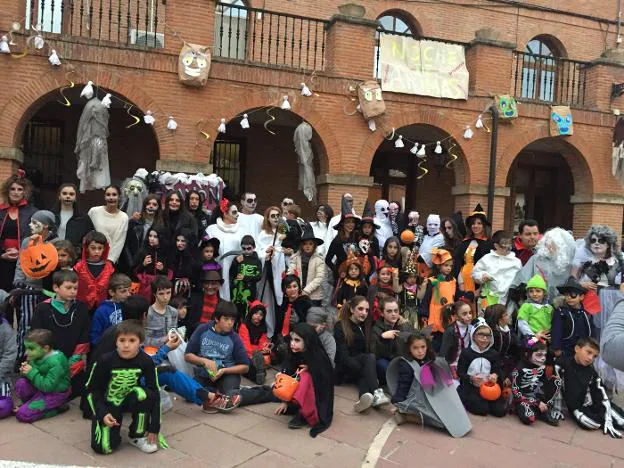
(422, 67)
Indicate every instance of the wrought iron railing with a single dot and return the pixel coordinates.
(549, 79)
(138, 23)
(256, 35)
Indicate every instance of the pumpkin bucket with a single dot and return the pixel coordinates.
(285, 386)
(490, 391)
(39, 259)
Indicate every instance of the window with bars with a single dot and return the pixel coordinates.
(43, 149)
(228, 161)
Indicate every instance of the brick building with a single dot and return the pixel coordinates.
(543, 52)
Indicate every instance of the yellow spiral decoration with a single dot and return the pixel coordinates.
(454, 158)
(421, 166)
(66, 101)
(269, 121)
(136, 119)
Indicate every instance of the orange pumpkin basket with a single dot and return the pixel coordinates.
(490, 391)
(285, 386)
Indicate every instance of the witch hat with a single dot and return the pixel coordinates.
(308, 234)
(477, 213)
(368, 215)
(346, 213)
(572, 285)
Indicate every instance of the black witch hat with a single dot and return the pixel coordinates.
(478, 213)
(368, 215)
(308, 234)
(346, 213)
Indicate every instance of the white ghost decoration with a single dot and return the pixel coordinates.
(398, 143)
(285, 103)
(38, 42)
(172, 124)
(4, 45)
(87, 91)
(468, 134)
(107, 100)
(54, 58)
(305, 91)
(244, 123)
(148, 118)
(221, 128)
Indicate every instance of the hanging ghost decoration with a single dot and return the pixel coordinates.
(194, 65)
(507, 107)
(305, 160)
(92, 147)
(371, 100)
(561, 122)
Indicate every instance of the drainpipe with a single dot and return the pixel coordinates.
(618, 39)
(492, 178)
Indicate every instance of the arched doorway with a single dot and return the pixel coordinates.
(541, 185)
(395, 171)
(49, 138)
(254, 159)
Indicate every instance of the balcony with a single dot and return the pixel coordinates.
(254, 35)
(134, 23)
(549, 80)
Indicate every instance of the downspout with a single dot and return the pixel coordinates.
(618, 39)
(492, 176)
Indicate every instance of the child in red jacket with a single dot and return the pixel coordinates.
(253, 333)
(94, 270)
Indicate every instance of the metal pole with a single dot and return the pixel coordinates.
(492, 177)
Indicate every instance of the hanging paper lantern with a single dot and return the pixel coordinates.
(305, 91)
(221, 128)
(172, 124)
(244, 123)
(398, 143)
(414, 149)
(285, 103)
(148, 118)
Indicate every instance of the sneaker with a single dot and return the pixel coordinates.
(380, 398)
(143, 445)
(548, 418)
(222, 403)
(297, 422)
(257, 359)
(363, 403)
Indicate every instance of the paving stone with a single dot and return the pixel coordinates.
(174, 422)
(271, 459)
(42, 448)
(342, 455)
(129, 456)
(69, 426)
(357, 430)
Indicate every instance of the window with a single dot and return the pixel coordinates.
(539, 66)
(231, 29)
(43, 150)
(228, 160)
(390, 24)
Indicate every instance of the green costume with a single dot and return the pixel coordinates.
(538, 317)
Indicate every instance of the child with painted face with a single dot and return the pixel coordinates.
(581, 380)
(44, 387)
(183, 264)
(125, 381)
(161, 317)
(245, 272)
(294, 308)
(423, 391)
(535, 315)
(313, 401)
(479, 364)
(456, 318)
(68, 320)
(535, 390)
(152, 261)
(354, 282)
(354, 360)
(571, 321)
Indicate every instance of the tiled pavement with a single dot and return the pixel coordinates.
(254, 437)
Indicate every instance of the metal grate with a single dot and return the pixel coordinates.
(228, 160)
(43, 150)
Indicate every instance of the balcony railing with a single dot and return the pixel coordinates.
(138, 23)
(256, 35)
(549, 79)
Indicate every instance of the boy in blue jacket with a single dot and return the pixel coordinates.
(109, 312)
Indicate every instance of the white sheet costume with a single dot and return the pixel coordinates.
(229, 236)
(432, 240)
(382, 210)
(502, 269)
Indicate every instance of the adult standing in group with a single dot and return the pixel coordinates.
(346, 203)
(344, 240)
(250, 221)
(227, 230)
(269, 248)
(526, 241)
(72, 224)
(194, 204)
(138, 229)
(476, 244)
(15, 214)
(175, 216)
(323, 214)
(452, 236)
(111, 221)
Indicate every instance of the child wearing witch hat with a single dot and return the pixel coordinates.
(368, 228)
(353, 282)
(309, 266)
(345, 240)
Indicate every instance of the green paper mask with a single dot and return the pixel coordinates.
(34, 352)
(507, 106)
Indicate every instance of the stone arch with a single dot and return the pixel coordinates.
(573, 149)
(427, 117)
(406, 16)
(25, 103)
(547, 34)
(301, 106)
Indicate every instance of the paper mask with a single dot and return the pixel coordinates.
(433, 224)
(371, 99)
(194, 65)
(507, 106)
(561, 122)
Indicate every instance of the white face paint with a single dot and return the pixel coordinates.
(364, 246)
(413, 218)
(249, 203)
(433, 224)
(232, 215)
(598, 246)
(393, 209)
(36, 227)
(382, 207)
(538, 358)
(274, 218)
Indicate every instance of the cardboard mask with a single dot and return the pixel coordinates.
(507, 106)
(194, 65)
(371, 100)
(561, 122)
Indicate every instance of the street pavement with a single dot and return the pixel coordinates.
(254, 437)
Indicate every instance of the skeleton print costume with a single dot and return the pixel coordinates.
(532, 384)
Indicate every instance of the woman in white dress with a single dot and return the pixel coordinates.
(226, 229)
(323, 214)
(269, 248)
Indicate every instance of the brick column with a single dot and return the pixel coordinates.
(597, 209)
(600, 76)
(467, 197)
(489, 62)
(351, 46)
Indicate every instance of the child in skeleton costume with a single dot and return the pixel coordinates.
(422, 389)
(571, 322)
(8, 354)
(477, 365)
(432, 240)
(227, 230)
(456, 318)
(44, 387)
(413, 217)
(535, 389)
(584, 392)
(245, 272)
(122, 381)
(382, 211)
(368, 229)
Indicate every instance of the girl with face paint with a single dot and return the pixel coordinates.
(72, 224)
(183, 263)
(175, 216)
(194, 205)
(111, 221)
(535, 391)
(152, 261)
(137, 231)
